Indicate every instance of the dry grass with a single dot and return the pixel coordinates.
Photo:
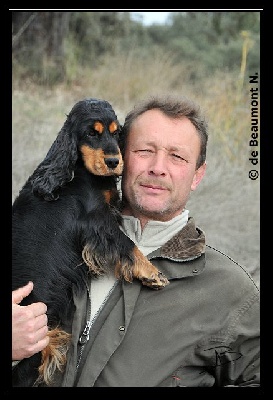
(226, 204)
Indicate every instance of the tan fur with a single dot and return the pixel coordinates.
(54, 355)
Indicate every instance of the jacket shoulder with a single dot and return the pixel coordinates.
(231, 270)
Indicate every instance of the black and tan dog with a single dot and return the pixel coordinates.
(65, 223)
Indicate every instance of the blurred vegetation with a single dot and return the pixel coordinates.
(54, 46)
(59, 58)
(205, 55)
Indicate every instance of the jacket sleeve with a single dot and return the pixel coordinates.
(237, 358)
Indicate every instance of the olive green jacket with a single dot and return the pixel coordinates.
(201, 330)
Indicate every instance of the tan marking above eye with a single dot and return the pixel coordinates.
(98, 126)
(113, 127)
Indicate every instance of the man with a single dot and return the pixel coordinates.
(201, 330)
(29, 325)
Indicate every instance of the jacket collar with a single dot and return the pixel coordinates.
(183, 255)
(187, 244)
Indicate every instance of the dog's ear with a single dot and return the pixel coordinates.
(121, 140)
(58, 166)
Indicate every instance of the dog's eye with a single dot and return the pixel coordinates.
(92, 132)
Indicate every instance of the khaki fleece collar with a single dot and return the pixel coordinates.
(187, 244)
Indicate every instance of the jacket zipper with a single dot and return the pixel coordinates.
(84, 337)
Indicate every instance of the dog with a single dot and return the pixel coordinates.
(66, 224)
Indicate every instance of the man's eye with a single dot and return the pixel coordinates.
(144, 151)
(177, 156)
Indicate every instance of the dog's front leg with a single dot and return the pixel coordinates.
(143, 270)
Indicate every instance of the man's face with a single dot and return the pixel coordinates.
(160, 166)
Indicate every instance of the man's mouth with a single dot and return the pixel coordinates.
(153, 188)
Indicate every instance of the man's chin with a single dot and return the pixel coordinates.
(152, 211)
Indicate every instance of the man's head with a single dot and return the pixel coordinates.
(164, 149)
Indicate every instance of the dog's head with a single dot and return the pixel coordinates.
(90, 135)
(95, 124)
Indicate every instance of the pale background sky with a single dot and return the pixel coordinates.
(150, 17)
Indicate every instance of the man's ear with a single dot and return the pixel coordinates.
(198, 176)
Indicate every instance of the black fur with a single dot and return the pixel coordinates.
(65, 223)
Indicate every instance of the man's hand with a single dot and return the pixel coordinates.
(29, 325)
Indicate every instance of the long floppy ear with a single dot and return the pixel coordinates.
(58, 166)
(121, 140)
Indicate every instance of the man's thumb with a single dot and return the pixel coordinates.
(19, 294)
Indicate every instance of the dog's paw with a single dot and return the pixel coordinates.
(156, 281)
(145, 271)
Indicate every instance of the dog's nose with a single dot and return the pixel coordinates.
(111, 162)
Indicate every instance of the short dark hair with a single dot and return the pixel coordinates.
(176, 108)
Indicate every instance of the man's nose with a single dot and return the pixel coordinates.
(158, 164)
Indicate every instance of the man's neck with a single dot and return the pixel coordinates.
(144, 219)
(128, 211)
